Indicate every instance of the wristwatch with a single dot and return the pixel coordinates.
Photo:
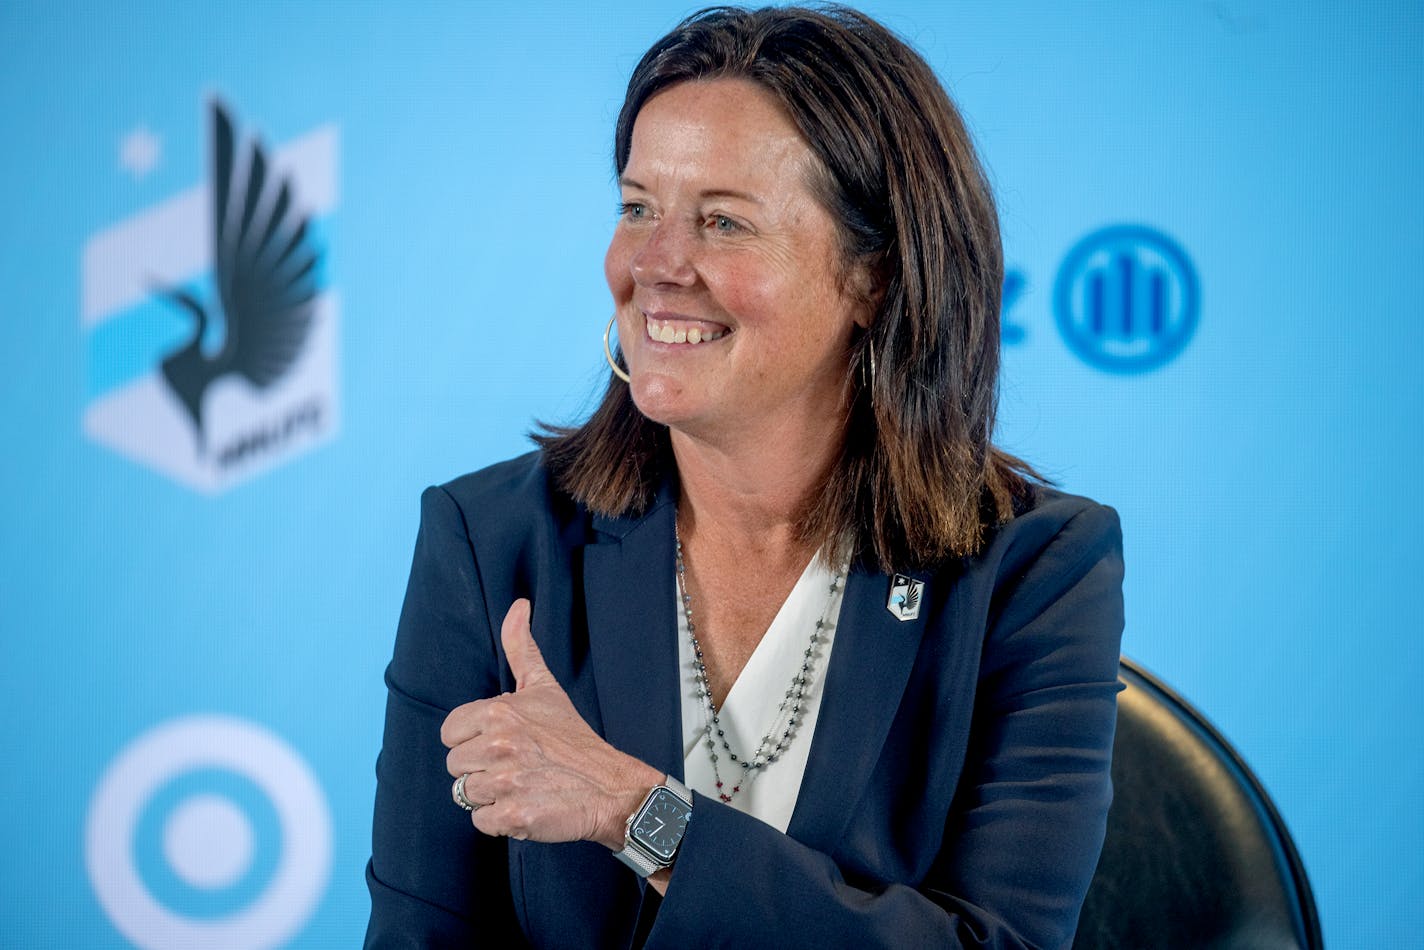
(655, 830)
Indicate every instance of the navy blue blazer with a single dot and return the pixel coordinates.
(957, 788)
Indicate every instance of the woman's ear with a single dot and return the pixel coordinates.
(869, 289)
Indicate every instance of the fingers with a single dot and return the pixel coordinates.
(483, 753)
(463, 724)
(460, 794)
(530, 762)
(477, 718)
(484, 788)
(500, 800)
(489, 767)
(501, 820)
(525, 660)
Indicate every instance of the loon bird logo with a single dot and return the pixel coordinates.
(265, 271)
(245, 379)
(905, 595)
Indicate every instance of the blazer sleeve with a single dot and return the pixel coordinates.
(1023, 836)
(435, 881)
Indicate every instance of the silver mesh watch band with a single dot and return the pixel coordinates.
(642, 863)
(678, 789)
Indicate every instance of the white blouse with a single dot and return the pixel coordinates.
(750, 710)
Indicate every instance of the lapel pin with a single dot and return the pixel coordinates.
(905, 596)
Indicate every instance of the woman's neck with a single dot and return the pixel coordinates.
(750, 495)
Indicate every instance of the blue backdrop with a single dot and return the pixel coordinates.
(1211, 212)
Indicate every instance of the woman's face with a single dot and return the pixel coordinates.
(733, 308)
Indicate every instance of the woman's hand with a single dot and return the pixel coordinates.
(536, 769)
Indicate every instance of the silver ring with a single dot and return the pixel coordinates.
(457, 791)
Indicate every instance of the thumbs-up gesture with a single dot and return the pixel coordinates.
(532, 765)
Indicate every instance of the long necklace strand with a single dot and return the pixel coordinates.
(783, 728)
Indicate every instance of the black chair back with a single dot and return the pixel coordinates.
(1196, 854)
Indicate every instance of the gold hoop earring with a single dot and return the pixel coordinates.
(608, 352)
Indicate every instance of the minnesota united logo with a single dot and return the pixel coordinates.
(905, 596)
(265, 270)
(223, 286)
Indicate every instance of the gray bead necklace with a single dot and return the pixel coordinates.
(789, 716)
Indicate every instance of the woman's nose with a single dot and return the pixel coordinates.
(664, 258)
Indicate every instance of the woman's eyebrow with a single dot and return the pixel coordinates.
(626, 182)
(732, 193)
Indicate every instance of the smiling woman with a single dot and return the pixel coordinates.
(778, 628)
(723, 241)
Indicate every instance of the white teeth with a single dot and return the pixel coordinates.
(666, 333)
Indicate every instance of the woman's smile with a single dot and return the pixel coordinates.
(679, 330)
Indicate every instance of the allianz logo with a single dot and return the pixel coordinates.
(1126, 300)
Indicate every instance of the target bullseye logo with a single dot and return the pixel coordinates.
(208, 831)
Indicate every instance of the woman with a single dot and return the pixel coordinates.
(781, 563)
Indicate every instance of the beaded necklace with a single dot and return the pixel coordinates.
(772, 745)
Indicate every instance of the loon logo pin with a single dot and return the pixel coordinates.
(905, 595)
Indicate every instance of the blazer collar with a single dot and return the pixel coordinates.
(629, 589)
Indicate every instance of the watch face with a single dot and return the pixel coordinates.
(661, 824)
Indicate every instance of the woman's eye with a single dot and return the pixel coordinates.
(724, 224)
(633, 210)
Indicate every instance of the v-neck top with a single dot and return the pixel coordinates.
(750, 709)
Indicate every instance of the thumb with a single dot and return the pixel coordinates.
(525, 660)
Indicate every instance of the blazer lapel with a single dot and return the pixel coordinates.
(871, 661)
(628, 586)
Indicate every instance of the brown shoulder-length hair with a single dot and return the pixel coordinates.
(918, 480)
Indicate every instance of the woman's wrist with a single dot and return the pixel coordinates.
(627, 794)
